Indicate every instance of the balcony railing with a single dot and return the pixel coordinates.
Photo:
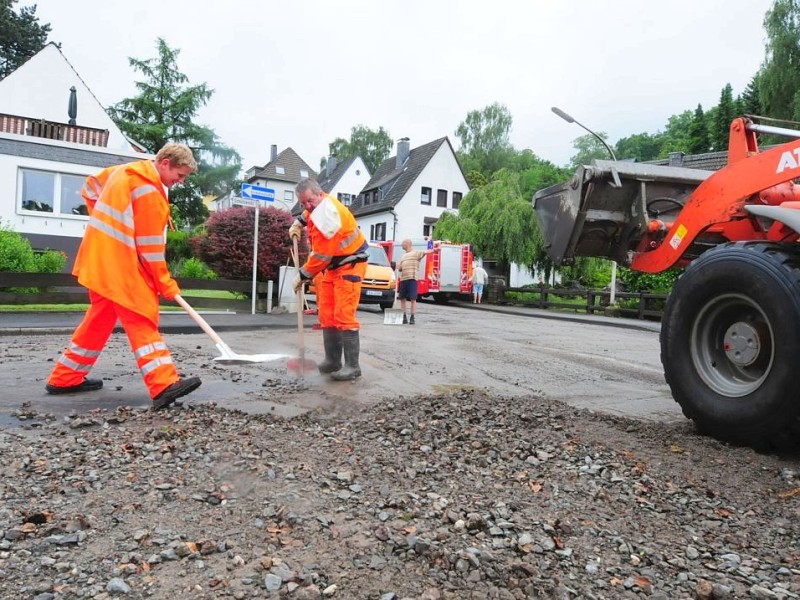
(52, 130)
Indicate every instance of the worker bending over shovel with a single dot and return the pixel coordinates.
(121, 261)
(339, 253)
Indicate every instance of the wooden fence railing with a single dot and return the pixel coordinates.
(637, 305)
(63, 288)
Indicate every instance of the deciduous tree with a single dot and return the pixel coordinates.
(497, 220)
(372, 146)
(779, 77)
(484, 139)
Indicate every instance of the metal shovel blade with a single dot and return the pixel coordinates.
(392, 316)
(229, 357)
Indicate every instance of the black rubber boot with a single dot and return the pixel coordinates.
(332, 340)
(352, 347)
(177, 390)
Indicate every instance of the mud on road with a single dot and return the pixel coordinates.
(610, 369)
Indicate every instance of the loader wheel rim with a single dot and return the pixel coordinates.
(732, 345)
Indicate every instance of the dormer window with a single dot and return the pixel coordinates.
(280, 170)
(303, 173)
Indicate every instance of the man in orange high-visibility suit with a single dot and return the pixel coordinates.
(339, 252)
(121, 261)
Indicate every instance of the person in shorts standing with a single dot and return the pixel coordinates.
(479, 279)
(408, 266)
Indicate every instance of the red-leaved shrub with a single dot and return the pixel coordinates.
(227, 246)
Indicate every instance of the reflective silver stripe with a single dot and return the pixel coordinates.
(83, 351)
(153, 256)
(322, 257)
(155, 363)
(123, 217)
(92, 191)
(149, 240)
(110, 231)
(77, 367)
(149, 349)
(349, 240)
(142, 190)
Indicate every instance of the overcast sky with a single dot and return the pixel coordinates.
(300, 74)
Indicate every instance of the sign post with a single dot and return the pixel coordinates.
(253, 195)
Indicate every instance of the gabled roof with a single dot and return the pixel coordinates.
(396, 182)
(708, 161)
(292, 165)
(327, 183)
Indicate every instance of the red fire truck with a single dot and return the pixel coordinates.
(444, 274)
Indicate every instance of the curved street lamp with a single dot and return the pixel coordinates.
(569, 119)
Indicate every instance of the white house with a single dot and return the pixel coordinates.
(280, 174)
(53, 133)
(410, 191)
(344, 180)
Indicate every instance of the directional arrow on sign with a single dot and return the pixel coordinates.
(255, 192)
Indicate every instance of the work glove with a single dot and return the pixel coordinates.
(296, 230)
(297, 283)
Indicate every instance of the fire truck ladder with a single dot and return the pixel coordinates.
(465, 282)
(435, 270)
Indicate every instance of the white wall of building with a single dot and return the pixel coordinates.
(353, 180)
(442, 172)
(44, 223)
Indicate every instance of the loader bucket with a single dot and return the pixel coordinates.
(605, 208)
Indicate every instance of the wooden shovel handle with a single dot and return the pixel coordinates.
(300, 340)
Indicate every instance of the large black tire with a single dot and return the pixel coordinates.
(730, 343)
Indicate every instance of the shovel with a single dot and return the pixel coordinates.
(229, 357)
(300, 365)
(393, 316)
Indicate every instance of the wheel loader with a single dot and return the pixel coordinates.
(730, 332)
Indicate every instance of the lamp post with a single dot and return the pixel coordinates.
(570, 119)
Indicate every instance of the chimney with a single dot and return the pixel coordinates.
(330, 166)
(273, 152)
(403, 150)
(676, 159)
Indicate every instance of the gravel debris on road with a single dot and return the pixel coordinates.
(459, 495)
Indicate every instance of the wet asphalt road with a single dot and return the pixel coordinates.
(606, 365)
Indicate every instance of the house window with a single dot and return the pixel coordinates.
(71, 200)
(346, 199)
(303, 173)
(377, 232)
(425, 197)
(441, 198)
(456, 199)
(280, 170)
(49, 192)
(427, 230)
(288, 196)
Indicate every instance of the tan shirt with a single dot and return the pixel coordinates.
(409, 263)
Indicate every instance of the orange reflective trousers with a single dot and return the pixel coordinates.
(152, 355)
(338, 295)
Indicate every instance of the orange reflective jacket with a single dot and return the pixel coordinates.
(121, 256)
(334, 237)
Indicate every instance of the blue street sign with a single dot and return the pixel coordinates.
(254, 192)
